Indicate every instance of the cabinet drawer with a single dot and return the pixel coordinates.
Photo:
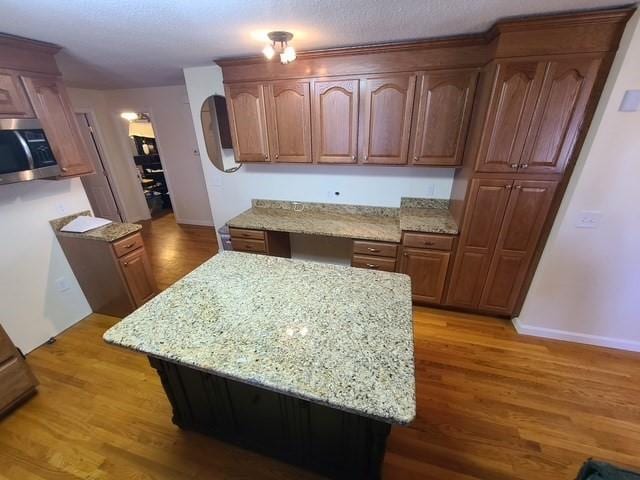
(375, 248)
(374, 263)
(244, 233)
(15, 381)
(127, 244)
(425, 240)
(248, 245)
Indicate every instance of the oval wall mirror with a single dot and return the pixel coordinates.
(215, 128)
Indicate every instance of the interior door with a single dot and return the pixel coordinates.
(513, 99)
(289, 121)
(247, 116)
(388, 104)
(526, 213)
(52, 106)
(441, 117)
(97, 186)
(482, 219)
(334, 118)
(556, 121)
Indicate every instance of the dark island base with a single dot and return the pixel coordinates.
(329, 441)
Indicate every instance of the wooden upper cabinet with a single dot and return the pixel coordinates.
(13, 100)
(515, 91)
(53, 108)
(387, 107)
(481, 225)
(441, 117)
(558, 115)
(334, 117)
(247, 118)
(289, 121)
(526, 213)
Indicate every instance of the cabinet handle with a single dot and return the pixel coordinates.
(64, 169)
(372, 265)
(366, 157)
(126, 264)
(514, 165)
(353, 157)
(277, 156)
(508, 187)
(130, 245)
(518, 187)
(372, 249)
(426, 242)
(415, 159)
(524, 165)
(266, 157)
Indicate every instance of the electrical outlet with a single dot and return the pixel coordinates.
(62, 284)
(430, 191)
(333, 194)
(589, 219)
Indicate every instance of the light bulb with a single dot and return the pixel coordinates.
(131, 116)
(290, 53)
(268, 51)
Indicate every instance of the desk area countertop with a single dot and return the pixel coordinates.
(338, 336)
(349, 221)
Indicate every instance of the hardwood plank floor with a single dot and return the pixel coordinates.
(491, 404)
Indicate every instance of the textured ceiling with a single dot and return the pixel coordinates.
(125, 43)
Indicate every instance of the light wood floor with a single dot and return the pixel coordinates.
(491, 405)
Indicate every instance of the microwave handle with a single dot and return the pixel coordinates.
(25, 147)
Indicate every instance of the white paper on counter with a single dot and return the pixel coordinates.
(84, 223)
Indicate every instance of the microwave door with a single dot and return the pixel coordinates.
(14, 153)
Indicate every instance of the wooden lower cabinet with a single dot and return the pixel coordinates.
(16, 380)
(265, 242)
(501, 229)
(116, 277)
(138, 275)
(428, 272)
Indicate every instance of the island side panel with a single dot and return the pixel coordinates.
(331, 441)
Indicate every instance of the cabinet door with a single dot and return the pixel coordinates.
(13, 100)
(526, 213)
(52, 106)
(441, 117)
(334, 117)
(558, 115)
(428, 271)
(138, 275)
(247, 117)
(289, 121)
(483, 216)
(388, 102)
(513, 99)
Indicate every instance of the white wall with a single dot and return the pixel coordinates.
(31, 261)
(171, 117)
(230, 194)
(587, 286)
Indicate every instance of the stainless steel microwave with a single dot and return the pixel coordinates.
(25, 153)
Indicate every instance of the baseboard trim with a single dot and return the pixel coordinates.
(610, 342)
(197, 223)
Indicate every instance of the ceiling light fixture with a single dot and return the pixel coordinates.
(131, 116)
(280, 44)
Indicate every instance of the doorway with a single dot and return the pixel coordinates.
(98, 186)
(148, 163)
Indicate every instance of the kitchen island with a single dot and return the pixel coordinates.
(308, 362)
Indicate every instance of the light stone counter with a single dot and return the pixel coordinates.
(338, 336)
(108, 233)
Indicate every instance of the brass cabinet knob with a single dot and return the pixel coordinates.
(266, 157)
(64, 169)
(353, 157)
(366, 157)
(372, 265)
(277, 156)
(524, 165)
(518, 187)
(415, 159)
(514, 165)
(126, 264)
(374, 250)
(508, 187)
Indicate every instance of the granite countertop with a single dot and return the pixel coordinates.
(427, 215)
(334, 335)
(349, 221)
(108, 233)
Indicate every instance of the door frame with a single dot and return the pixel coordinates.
(104, 158)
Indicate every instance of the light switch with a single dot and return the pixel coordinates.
(630, 101)
(589, 219)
